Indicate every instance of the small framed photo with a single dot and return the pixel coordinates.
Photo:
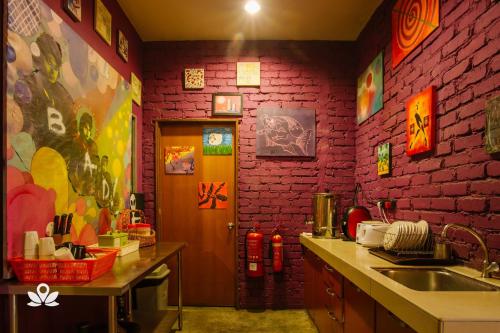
(122, 46)
(384, 159)
(74, 9)
(136, 86)
(248, 74)
(227, 104)
(194, 78)
(102, 21)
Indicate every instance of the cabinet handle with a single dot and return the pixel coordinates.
(332, 317)
(330, 292)
(329, 268)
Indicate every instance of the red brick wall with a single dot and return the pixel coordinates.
(315, 75)
(459, 182)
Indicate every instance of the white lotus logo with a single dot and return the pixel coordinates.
(43, 297)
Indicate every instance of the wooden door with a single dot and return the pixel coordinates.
(209, 260)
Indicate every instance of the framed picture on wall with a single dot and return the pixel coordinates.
(194, 78)
(122, 46)
(136, 86)
(102, 21)
(420, 122)
(248, 74)
(492, 133)
(227, 104)
(384, 159)
(370, 90)
(74, 9)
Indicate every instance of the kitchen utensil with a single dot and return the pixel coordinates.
(324, 214)
(62, 224)
(46, 248)
(67, 228)
(371, 233)
(353, 215)
(56, 225)
(78, 251)
(30, 244)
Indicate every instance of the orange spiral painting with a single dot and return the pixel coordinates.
(412, 22)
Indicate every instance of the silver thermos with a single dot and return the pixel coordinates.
(325, 215)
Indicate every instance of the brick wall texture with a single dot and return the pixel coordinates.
(457, 183)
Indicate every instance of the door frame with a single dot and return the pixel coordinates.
(159, 124)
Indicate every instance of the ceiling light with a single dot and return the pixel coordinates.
(252, 7)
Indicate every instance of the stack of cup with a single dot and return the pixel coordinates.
(46, 248)
(30, 245)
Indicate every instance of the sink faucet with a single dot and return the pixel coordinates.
(488, 267)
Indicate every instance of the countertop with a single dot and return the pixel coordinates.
(424, 311)
(127, 271)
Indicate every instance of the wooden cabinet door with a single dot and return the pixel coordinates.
(309, 278)
(387, 322)
(359, 310)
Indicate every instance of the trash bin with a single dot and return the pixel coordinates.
(152, 292)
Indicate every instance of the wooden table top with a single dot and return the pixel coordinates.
(127, 272)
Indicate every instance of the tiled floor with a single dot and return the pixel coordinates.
(230, 320)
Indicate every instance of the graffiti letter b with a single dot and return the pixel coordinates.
(54, 120)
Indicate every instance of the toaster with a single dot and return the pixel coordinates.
(371, 233)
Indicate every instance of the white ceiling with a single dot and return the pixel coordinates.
(173, 20)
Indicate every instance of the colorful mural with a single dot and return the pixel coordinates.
(371, 90)
(68, 128)
(420, 122)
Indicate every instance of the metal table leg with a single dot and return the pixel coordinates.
(112, 315)
(13, 313)
(179, 287)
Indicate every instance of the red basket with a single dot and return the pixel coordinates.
(28, 270)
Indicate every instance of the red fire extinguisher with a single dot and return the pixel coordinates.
(254, 242)
(277, 250)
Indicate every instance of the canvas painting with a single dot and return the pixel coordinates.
(384, 159)
(492, 135)
(420, 122)
(248, 74)
(179, 160)
(68, 129)
(370, 92)
(136, 88)
(102, 21)
(286, 132)
(122, 46)
(217, 141)
(412, 22)
(74, 9)
(227, 104)
(212, 195)
(194, 78)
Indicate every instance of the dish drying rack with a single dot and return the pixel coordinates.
(426, 249)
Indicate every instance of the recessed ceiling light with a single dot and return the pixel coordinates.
(252, 7)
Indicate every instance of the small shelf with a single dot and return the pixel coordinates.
(160, 321)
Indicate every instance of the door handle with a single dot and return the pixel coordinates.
(230, 226)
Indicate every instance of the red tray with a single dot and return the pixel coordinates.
(67, 271)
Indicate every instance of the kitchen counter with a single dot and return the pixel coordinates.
(424, 311)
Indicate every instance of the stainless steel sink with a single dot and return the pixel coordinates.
(434, 279)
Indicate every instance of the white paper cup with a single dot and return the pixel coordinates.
(30, 244)
(46, 248)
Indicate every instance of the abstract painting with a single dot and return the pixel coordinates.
(179, 160)
(212, 195)
(286, 132)
(68, 128)
(122, 46)
(136, 85)
(194, 78)
(420, 122)
(217, 141)
(384, 159)
(74, 9)
(492, 135)
(102, 21)
(227, 104)
(248, 74)
(371, 90)
(412, 22)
